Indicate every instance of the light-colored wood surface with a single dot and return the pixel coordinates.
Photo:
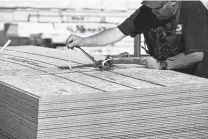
(42, 98)
(173, 113)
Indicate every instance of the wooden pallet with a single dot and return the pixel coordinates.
(41, 98)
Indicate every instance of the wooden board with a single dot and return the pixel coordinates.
(42, 98)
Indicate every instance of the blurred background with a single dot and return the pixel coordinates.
(48, 23)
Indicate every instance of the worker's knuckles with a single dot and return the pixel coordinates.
(70, 39)
(72, 45)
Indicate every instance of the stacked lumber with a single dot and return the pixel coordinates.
(41, 98)
(145, 113)
(19, 110)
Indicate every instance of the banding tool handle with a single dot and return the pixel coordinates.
(88, 55)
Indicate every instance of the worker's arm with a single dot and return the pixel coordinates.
(182, 61)
(106, 37)
(179, 61)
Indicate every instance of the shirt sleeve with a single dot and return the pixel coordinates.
(140, 21)
(196, 32)
(128, 26)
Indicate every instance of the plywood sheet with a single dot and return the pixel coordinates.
(41, 98)
(140, 114)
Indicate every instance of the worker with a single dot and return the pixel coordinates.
(175, 32)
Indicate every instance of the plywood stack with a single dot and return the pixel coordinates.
(19, 110)
(41, 98)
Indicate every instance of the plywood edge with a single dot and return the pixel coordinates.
(17, 125)
(26, 94)
(19, 112)
(6, 135)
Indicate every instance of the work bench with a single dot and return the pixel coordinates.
(40, 97)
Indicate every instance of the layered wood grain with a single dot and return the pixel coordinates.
(41, 98)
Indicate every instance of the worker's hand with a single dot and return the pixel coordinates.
(73, 40)
(150, 62)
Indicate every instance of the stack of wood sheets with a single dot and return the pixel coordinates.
(41, 98)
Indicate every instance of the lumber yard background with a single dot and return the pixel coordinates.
(48, 23)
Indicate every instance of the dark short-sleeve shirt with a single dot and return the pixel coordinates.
(195, 26)
(193, 18)
(141, 20)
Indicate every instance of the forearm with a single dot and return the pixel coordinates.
(182, 61)
(106, 37)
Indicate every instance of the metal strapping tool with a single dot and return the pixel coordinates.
(109, 61)
(88, 55)
(101, 64)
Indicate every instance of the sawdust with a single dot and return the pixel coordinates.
(7, 70)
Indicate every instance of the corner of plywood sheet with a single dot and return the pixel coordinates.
(19, 112)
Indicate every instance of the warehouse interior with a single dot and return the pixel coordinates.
(49, 23)
(50, 92)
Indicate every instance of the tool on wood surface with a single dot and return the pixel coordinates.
(109, 60)
(5, 45)
(101, 64)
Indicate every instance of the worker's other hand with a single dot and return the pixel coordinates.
(73, 40)
(150, 62)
